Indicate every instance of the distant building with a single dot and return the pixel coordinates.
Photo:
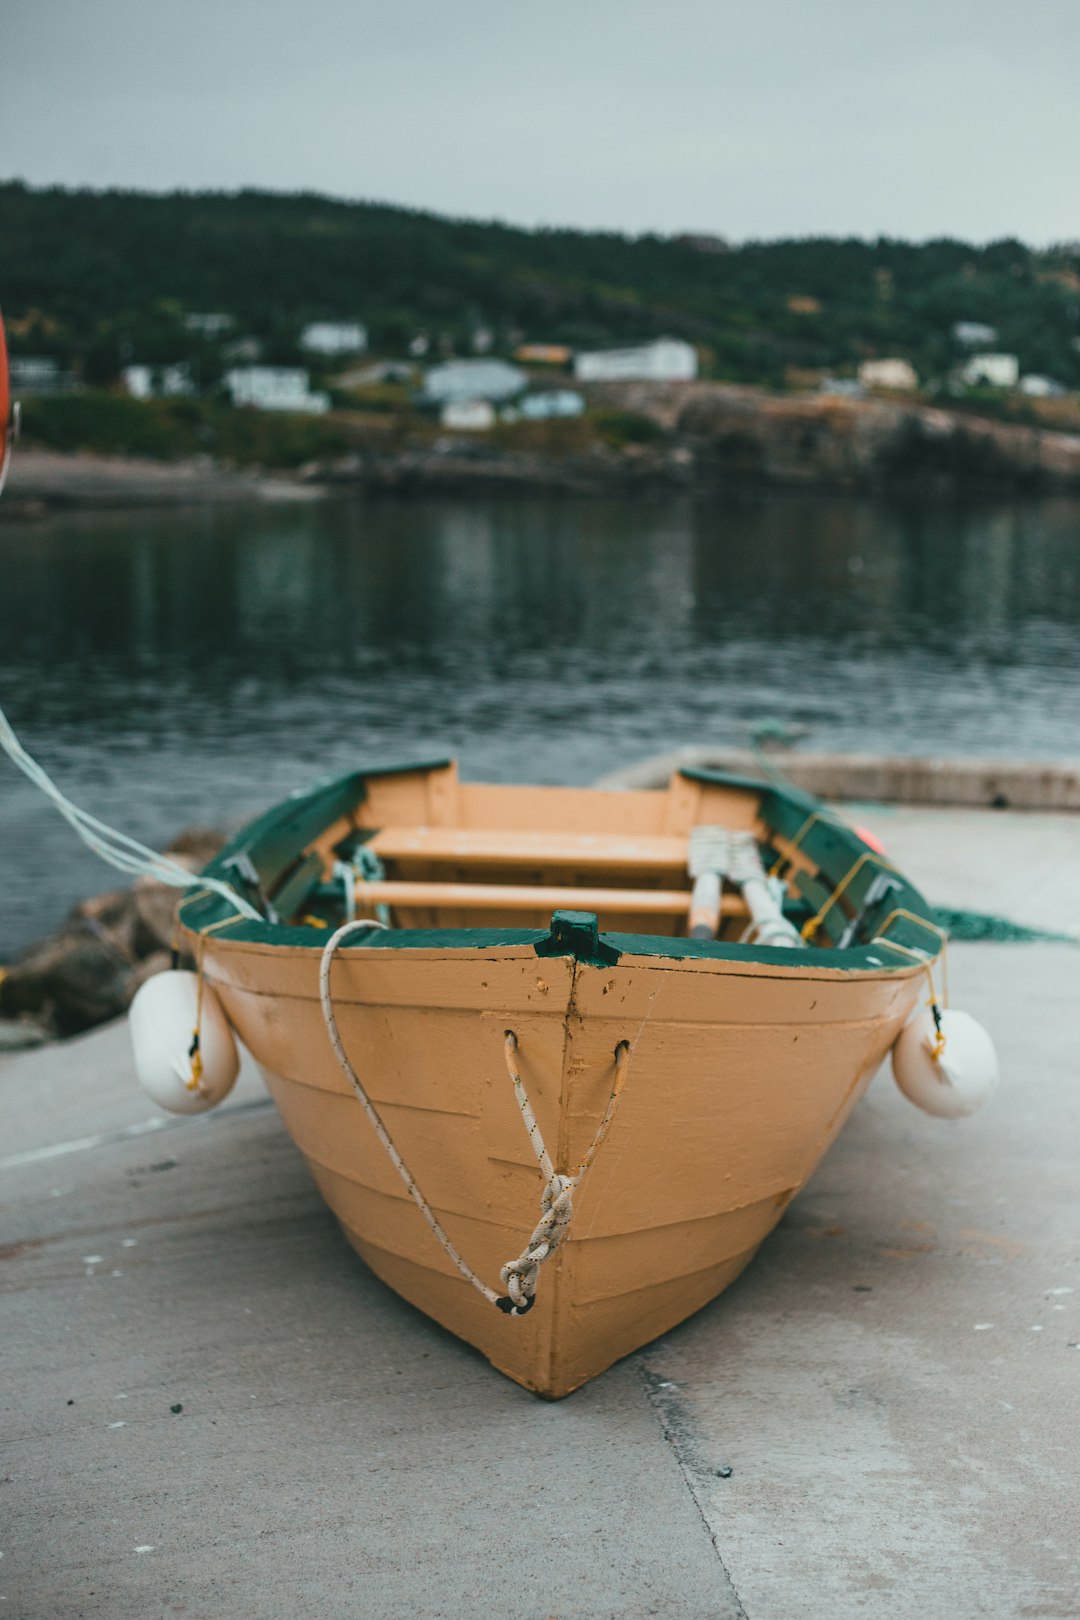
(482, 340)
(544, 354)
(468, 415)
(138, 381)
(664, 360)
(209, 325)
(473, 379)
(993, 370)
(39, 374)
(158, 382)
(555, 402)
(419, 345)
(803, 304)
(274, 388)
(973, 333)
(841, 388)
(1036, 387)
(334, 337)
(890, 373)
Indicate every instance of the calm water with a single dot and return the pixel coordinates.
(170, 668)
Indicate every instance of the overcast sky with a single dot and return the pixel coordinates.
(741, 117)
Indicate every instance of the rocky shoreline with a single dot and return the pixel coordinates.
(703, 437)
(802, 440)
(87, 972)
(713, 437)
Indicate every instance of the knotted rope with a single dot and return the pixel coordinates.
(557, 1198)
(518, 1275)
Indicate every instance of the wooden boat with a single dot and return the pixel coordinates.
(543, 932)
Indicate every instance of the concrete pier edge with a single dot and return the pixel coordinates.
(974, 783)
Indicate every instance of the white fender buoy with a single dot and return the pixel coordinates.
(162, 1021)
(960, 1079)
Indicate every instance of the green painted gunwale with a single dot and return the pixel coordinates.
(275, 840)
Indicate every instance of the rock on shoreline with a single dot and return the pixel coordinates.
(744, 434)
(88, 971)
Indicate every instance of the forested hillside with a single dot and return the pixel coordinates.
(97, 279)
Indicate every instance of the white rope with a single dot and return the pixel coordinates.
(116, 848)
(557, 1199)
(377, 1125)
(768, 925)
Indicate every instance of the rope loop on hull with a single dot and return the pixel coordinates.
(519, 1276)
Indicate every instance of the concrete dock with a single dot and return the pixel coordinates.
(211, 1408)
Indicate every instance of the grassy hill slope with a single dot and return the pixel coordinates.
(100, 278)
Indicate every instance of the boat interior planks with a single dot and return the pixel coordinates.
(698, 1079)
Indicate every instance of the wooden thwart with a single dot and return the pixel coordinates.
(488, 846)
(529, 897)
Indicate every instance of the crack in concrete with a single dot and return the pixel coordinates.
(676, 1425)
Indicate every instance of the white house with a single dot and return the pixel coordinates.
(842, 388)
(334, 337)
(973, 333)
(995, 370)
(139, 381)
(468, 415)
(274, 388)
(158, 382)
(663, 360)
(890, 373)
(473, 379)
(556, 402)
(1037, 387)
(39, 374)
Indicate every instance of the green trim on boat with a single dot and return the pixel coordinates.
(577, 934)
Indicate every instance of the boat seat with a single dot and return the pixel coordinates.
(529, 897)
(483, 846)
